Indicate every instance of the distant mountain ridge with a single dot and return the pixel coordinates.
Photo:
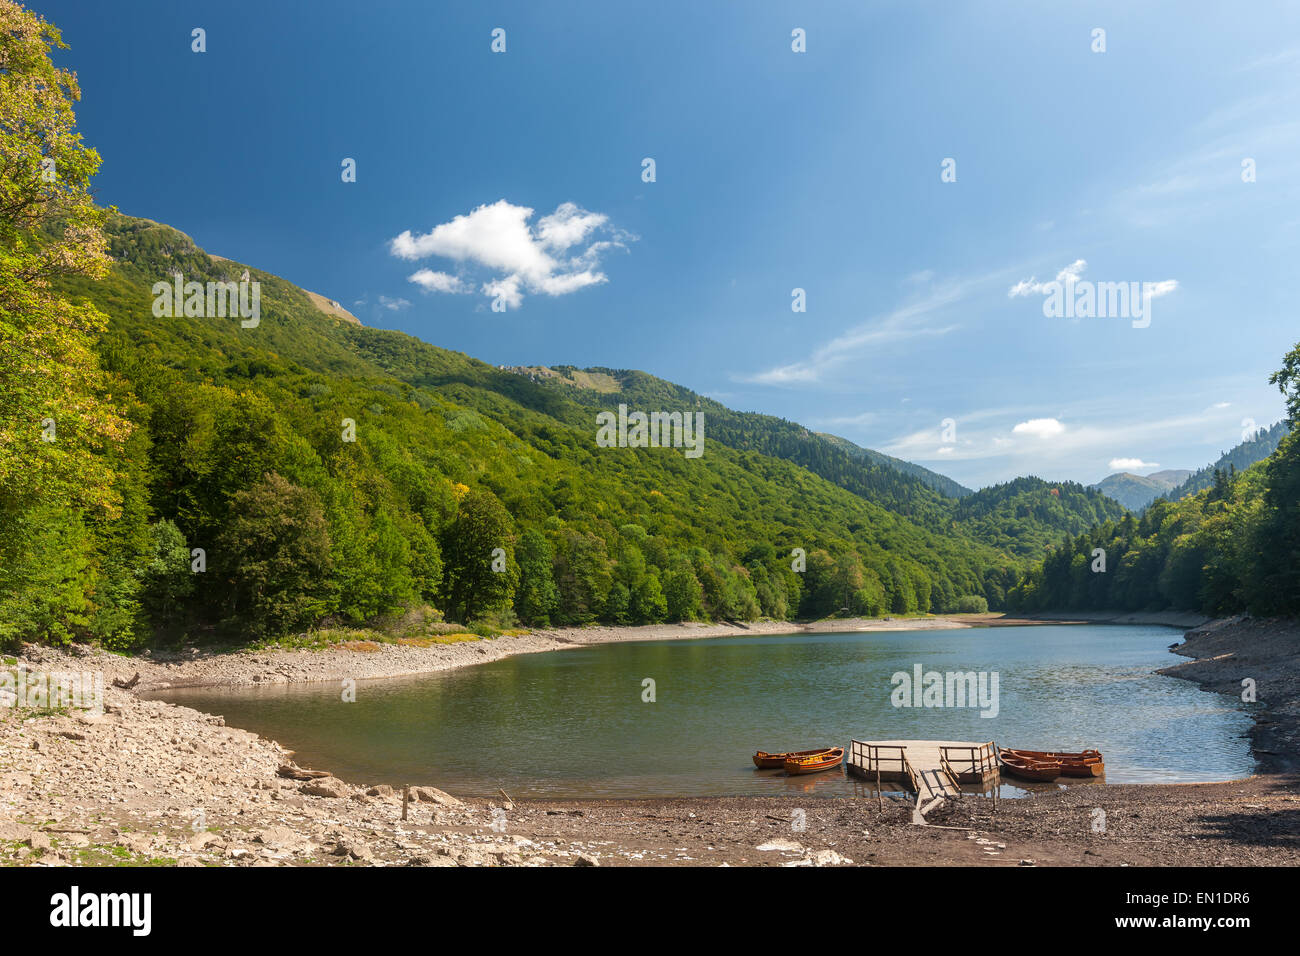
(940, 483)
(1136, 492)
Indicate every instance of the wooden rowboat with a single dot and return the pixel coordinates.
(764, 760)
(814, 761)
(1087, 763)
(1028, 768)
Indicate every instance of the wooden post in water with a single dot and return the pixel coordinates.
(997, 776)
(406, 798)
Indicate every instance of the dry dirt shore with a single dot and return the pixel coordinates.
(150, 782)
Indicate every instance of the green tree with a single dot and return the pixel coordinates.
(537, 597)
(618, 603)
(273, 558)
(649, 605)
(472, 585)
(682, 594)
(168, 580)
(58, 426)
(582, 575)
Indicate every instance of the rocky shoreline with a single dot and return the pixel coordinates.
(149, 782)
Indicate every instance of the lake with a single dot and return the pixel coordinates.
(573, 723)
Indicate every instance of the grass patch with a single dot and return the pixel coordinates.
(117, 856)
(429, 641)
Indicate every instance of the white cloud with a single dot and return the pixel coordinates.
(507, 290)
(568, 225)
(394, 305)
(498, 238)
(1154, 290)
(1039, 428)
(432, 281)
(1131, 464)
(1067, 275)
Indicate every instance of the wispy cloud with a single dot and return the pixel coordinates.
(863, 418)
(1208, 174)
(394, 304)
(913, 321)
(1067, 275)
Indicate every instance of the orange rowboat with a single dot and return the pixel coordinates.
(775, 761)
(1028, 768)
(815, 761)
(1088, 763)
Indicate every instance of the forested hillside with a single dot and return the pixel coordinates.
(909, 491)
(308, 470)
(1234, 546)
(1027, 516)
(1241, 457)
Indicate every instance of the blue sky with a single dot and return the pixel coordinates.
(775, 170)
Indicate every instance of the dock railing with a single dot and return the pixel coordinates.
(870, 760)
(977, 764)
(947, 769)
(973, 764)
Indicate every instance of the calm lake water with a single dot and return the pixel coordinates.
(572, 723)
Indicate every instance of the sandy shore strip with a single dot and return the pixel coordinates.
(149, 782)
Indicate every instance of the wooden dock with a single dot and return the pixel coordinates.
(932, 769)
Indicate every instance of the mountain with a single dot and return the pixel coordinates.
(1028, 516)
(391, 470)
(1239, 458)
(1135, 492)
(396, 468)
